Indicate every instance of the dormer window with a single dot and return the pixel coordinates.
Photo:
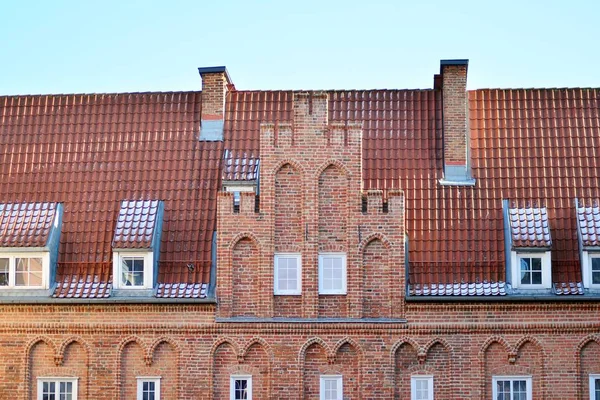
(588, 233)
(528, 244)
(30, 233)
(136, 244)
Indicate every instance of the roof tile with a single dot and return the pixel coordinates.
(529, 227)
(136, 223)
(26, 224)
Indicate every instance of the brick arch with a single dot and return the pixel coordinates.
(391, 370)
(371, 238)
(400, 342)
(310, 342)
(157, 342)
(126, 341)
(70, 340)
(359, 359)
(292, 163)
(256, 340)
(481, 357)
(223, 340)
(32, 343)
(578, 359)
(211, 362)
(347, 340)
(532, 340)
(335, 163)
(441, 341)
(244, 235)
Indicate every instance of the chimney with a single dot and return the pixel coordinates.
(457, 164)
(215, 84)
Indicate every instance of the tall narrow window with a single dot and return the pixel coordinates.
(240, 387)
(57, 389)
(288, 274)
(148, 388)
(332, 273)
(511, 388)
(421, 387)
(331, 387)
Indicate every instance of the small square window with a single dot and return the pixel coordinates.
(148, 388)
(332, 387)
(288, 274)
(57, 389)
(421, 387)
(132, 271)
(531, 270)
(240, 387)
(332, 273)
(595, 387)
(511, 388)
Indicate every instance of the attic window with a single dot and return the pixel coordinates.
(23, 270)
(134, 270)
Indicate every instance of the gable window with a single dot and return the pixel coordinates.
(511, 388)
(288, 274)
(57, 389)
(331, 387)
(421, 387)
(240, 387)
(133, 270)
(23, 270)
(148, 388)
(332, 273)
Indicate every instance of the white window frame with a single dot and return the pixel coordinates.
(57, 380)
(512, 378)
(546, 270)
(413, 386)
(232, 380)
(343, 290)
(148, 257)
(276, 288)
(140, 386)
(592, 380)
(586, 269)
(340, 385)
(12, 268)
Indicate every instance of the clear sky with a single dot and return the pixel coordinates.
(62, 46)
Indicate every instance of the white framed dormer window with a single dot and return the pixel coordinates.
(24, 270)
(288, 274)
(133, 270)
(594, 386)
(57, 388)
(531, 270)
(332, 273)
(148, 388)
(332, 387)
(421, 387)
(511, 388)
(240, 387)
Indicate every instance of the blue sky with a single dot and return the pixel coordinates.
(119, 46)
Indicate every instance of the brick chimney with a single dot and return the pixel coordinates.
(215, 84)
(457, 164)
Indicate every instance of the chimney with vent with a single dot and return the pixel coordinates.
(453, 82)
(215, 84)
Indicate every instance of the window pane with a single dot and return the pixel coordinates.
(536, 264)
(525, 278)
(35, 272)
(597, 388)
(596, 277)
(4, 271)
(132, 272)
(536, 278)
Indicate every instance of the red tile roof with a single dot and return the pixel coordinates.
(87, 280)
(534, 144)
(91, 151)
(589, 225)
(136, 224)
(26, 224)
(529, 227)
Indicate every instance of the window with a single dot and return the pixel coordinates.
(421, 387)
(511, 388)
(595, 271)
(595, 387)
(531, 270)
(57, 389)
(288, 273)
(134, 270)
(148, 388)
(332, 387)
(23, 270)
(332, 273)
(240, 387)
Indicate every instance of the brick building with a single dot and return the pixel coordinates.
(361, 244)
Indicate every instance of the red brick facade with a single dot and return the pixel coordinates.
(310, 200)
